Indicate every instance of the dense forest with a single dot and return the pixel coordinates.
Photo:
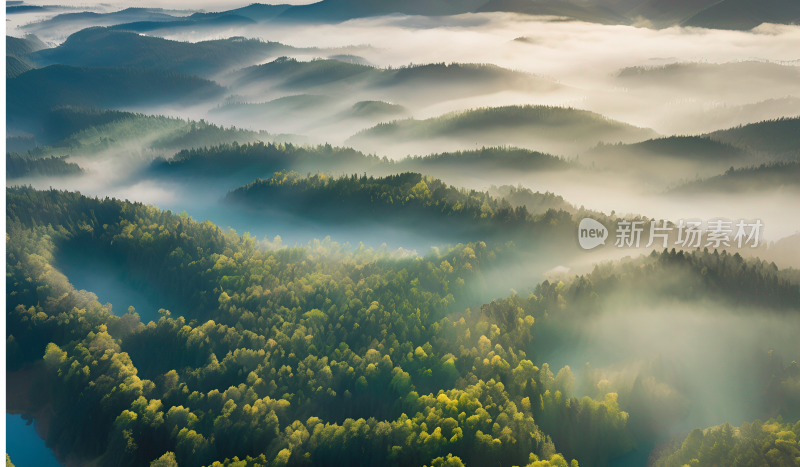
(292, 74)
(106, 47)
(18, 166)
(773, 442)
(64, 121)
(399, 199)
(34, 93)
(779, 138)
(260, 157)
(764, 177)
(694, 77)
(406, 233)
(91, 131)
(525, 122)
(312, 355)
(275, 153)
(535, 203)
(104, 130)
(695, 148)
(488, 158)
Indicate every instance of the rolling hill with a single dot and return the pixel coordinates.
(17, 51)
(535, 203)
(292, 74)
(746, 14)
(774, 138)
(484, 160)
(15, 67)
(34, 93)
(374, 109)
(62, 122)
(335, 11)
(249, 160)
(503, 125)
(666, 13)
(692, 148)
(435, 82)
(733, 82)
(405, 201)
(84, 19)
(20, 47)
(94, 47)
(765, 177)
(257, 12)
(296, 105)
(217, 21)
(581, 12)
(18, 166)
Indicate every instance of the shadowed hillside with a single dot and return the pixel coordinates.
(32, 94)
(508, 125)
(487, 159)
(589, 13)
(430, 82)
(200, 23)
(334, 11)
(775, 138)
(108, 47)
(20, 165)
(259, 158)
(745, 14)
(765, 177)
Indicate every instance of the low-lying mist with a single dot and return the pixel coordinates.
(719, 359)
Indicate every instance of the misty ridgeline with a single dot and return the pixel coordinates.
(346, 233)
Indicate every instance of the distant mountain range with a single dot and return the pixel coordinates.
(31, 95)
(757, 143)
(739, 83)
(746, 14)
(764, 177)
(425, 83)
(509, 123)
(725, 14)
(779, 138)
(100, 46)
(17, 54)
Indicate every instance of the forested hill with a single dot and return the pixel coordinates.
(488, 158)
(198, 23)
(17, 51)
(775, 138)
(334, 11)
(34, 93)
(21, 47)
(103, 47)
(18, 166)
(764, 443)
(62, 122)
(535, 203)
(764, 177)
(743, 14)
(307, 345)
(586, 11)
(260, 157)
(90, 131)
(521, 122)
(313, 355)
(437, 81)
(15, 67)
(433, 205)
(701, 151)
